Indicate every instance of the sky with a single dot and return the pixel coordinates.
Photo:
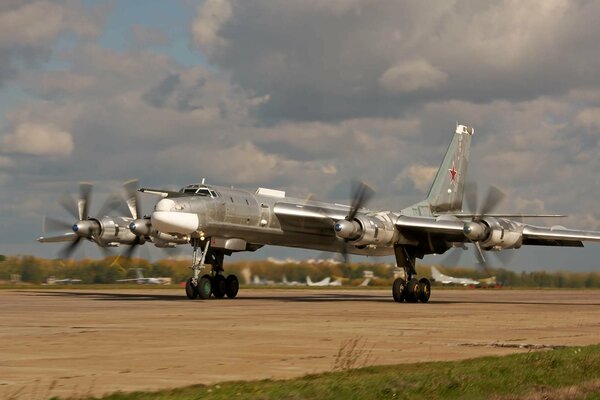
(301, 96)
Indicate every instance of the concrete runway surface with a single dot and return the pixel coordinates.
(79, 342)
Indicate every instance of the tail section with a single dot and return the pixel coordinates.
(436, 275)
(446, 193)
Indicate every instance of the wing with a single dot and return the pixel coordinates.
(557, 236)
(450, 228)
(308, 218)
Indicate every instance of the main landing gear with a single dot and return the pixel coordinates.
(214, 283)
(410, 289)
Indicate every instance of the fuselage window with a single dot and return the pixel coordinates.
(231, 198)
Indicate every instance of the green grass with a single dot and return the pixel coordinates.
(513, 376)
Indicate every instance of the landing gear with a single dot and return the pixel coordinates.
(425, 290)
(214, 283)
(232, 285)
(191, 290)
(410, 290)
(218, 286)
(398, 290)
(204, 287)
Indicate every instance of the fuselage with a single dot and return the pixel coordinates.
(261, 218)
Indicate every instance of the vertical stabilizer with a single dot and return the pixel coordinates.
(436, 275)
(446, 193)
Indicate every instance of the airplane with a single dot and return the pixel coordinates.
(218, 221)
(437, 276)
(285, 282)
(145, 281)
(68, 281)
(324, 282)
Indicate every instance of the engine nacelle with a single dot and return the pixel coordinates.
(141, 227)
(115, 231)
(366, 230)
(494, 233)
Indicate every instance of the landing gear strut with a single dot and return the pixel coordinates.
(214, 283)
(409, 289)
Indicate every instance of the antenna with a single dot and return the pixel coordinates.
(203, 179)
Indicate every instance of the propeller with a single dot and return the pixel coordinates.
(347, 228)
(84, 227)
(473, 230)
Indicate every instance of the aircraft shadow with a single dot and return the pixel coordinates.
(299, 298)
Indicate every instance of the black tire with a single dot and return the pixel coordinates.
(191, 291)
(218, 286)
(205, 287)
(411, 293)
(424, 290)
(232, 285)
(398, 290)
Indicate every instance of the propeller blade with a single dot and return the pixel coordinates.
(479, 253)
(85, 192)
(70, 205)
(504, 256)
(493, 198)
(53, 225)
(362, 193)
(452, 257)
(67, 251)
(111, 204)
(132, 248)
(132, 198)
(471, 196)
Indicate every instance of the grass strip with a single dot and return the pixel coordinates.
(574, 370)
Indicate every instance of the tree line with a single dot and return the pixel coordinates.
(109, 270)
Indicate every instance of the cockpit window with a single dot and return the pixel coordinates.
(199, 190)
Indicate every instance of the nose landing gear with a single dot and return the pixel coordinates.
(215, 283)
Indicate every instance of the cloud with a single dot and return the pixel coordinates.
(367, 58)
(38, 139)
(148, 36)
(29, 28)
(421, 177)
(412, 76)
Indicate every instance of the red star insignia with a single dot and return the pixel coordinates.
(453, 173)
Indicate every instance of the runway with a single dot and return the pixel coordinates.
(79, 342)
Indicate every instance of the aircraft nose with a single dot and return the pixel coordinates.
(165, 205)
(169, 217)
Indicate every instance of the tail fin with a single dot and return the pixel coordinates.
(436, 275)
(446, 193)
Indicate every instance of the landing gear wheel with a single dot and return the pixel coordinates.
(191, 290)
(204, 287)
(398, 290)
(424, 290)
(411, 293)
(218, 286)
(232, 285)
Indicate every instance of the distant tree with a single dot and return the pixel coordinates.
(2, 258)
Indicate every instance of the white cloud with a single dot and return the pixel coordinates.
(211, 16)
(421, 176)
(412, 76)
(38, 139)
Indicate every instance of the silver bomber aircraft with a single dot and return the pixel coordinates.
(218, 221)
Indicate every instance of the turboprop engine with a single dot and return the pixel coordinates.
(494, 233)
(366, 230)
